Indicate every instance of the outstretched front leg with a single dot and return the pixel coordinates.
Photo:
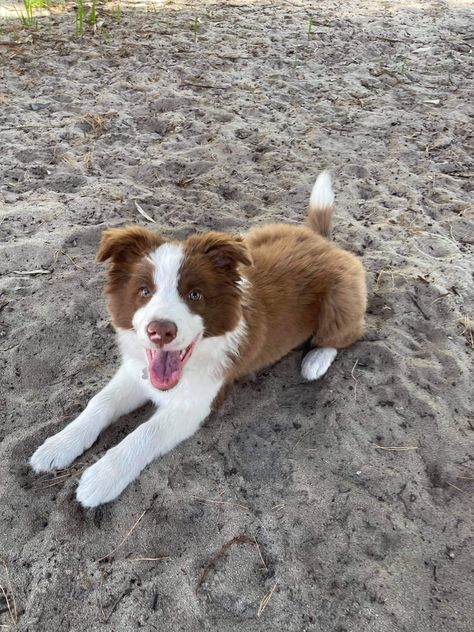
(176, 420)
(122, 394)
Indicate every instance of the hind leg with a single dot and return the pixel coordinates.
(340, 321)
(316, 363)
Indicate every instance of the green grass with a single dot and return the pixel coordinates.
(82, 17)
(86, 16)
(80, 13)
(196, 27)
(26, 12)
(93, 14)
(310, 25)
(26, 17)
(404, 65)
(117, 13)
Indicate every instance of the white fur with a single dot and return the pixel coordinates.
(180, 412)
(122, 394)
(179, 415)
(166, 303)
(322, 195)
(316, 363)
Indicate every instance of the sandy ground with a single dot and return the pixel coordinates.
(226, 132)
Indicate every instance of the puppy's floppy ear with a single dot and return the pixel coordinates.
(226, 251)
(123, 244)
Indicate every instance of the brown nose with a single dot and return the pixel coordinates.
(161, 332)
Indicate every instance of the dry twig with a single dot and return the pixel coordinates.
(106, 617)
(11, 605)
(468, 331)
(265, 601)
(239, 539)
(260, 554)
(76, 265)
(400, 448)
(129, 533)
(219, 502)
(355, 379)
(144, 213)
(455, 487)
(31, 272)
(440, 298)
(148, 559)
(97, 122)
(47, 481)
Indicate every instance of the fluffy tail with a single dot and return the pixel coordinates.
(321, 205)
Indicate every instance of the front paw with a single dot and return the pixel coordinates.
(103, 481)
(57, 452)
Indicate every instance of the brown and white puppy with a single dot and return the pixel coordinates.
(194, 316)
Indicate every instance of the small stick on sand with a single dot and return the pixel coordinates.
(265, 601)
(301, 438)
(204, 85)
(106, 617)
(8, 348)
(144, 213)
(440, 298)
(12, 609)
(147, 559)
(220, 502)
(389, 271)
(451, 231)
(76, 265)
(415, 302)
(455, 487)
(45, 482)
(468, 331)
(239, 539)
(101, 606)
(135, 525)
(260, 554)
(31, 272)
(281, 505)
(355, 379)
(400, 448)
(378, 280)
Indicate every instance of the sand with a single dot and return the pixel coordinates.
(227, 132)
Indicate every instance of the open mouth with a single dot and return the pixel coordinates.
(165, 367)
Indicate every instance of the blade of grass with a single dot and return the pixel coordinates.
(80, 17)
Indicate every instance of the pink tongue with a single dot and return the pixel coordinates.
(165, 369)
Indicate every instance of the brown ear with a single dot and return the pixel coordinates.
(121, 244)
(225, 250)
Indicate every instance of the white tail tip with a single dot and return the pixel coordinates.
(322, 195)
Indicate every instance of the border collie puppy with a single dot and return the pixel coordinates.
(194, 316)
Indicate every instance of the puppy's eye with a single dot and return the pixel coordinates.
(195, 295)
(145, 292)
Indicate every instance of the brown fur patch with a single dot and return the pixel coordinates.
(129, 272)
(301, 286)
(320, 220)
(211, 266)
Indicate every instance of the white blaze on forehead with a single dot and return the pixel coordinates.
(166, 302)
(167, 261)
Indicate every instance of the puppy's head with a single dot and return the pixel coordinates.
(173, 294)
